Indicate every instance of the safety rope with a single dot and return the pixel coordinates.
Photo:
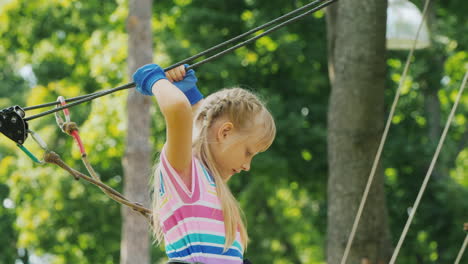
(71, 129)
(29, 154)
(222, 45)
(89, 97)
(383, 140)
(54, 158)
(429, 171)
(462, 249)
(216, 47)
(287, 22)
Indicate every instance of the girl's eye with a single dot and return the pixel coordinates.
(248, 153)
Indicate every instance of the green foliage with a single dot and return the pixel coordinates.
(436, 232)
(78, 47)
(74, 48)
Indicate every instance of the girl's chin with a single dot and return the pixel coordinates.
(226, 177)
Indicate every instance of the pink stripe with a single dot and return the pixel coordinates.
(171, 205)
(195, 226)
(192, 211)
(182, 194)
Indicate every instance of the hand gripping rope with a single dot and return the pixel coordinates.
(13, 122)
(89, 97)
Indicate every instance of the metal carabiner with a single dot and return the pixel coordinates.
(65, 125)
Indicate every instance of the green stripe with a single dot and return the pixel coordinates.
(30, 155)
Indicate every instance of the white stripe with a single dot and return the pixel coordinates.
(209, 256)
(195, 219)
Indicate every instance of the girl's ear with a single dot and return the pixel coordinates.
(224, 131)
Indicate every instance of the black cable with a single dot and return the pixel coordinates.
(274, 21)
(132, 84)
(287, 22)
(88, 98)
(294, 12)
(56, 102)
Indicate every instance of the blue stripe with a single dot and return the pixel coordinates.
(162, 190)
(208, 176)
(204, 249)
(200, 237)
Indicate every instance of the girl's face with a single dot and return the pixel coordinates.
(232, 151)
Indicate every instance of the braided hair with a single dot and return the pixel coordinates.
(245, 111)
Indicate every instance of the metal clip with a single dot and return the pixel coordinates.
(58, 118)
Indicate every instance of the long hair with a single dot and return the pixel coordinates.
(246, 112)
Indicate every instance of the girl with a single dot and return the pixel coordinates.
(195, 213)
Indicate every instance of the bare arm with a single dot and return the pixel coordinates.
(177, 112)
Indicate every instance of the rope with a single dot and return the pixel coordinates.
(39, 141)
(68, 126)
(89, 97)
(429, 172)
(462, 250)
(287, 22)
(199, 54)
(382, 141)
(71, 129)
(52, 157)
(292, 13)
(29, 154)
(216, 47)
(86, 99)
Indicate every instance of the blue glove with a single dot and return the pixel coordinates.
(189, 86)
(146, 76)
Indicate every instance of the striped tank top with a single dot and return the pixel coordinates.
(192, 220)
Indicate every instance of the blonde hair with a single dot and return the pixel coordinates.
(247, 113)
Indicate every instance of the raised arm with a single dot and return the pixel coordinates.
(177, 113)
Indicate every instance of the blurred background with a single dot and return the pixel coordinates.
(71, 48)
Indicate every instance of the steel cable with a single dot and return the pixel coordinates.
(89, 97)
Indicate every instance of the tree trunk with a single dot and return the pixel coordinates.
(356, 42)
(135, 228)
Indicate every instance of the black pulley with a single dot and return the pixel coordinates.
(13, 125)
